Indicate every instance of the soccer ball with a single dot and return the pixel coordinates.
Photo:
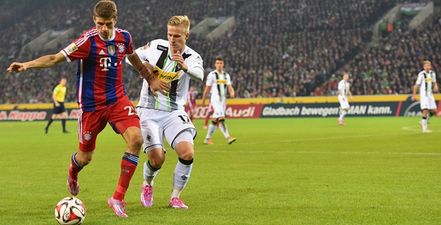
(70, 211)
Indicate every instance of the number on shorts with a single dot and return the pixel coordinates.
(184, 118)
(131, 110)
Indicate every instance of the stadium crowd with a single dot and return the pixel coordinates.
(277, 48)
(392, 66)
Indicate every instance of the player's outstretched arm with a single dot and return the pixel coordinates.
(42, 62)
(145, 69)
(435, 87)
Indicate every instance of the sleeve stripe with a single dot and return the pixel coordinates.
(85, 37)
(65, 55)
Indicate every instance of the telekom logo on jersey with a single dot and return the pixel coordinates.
(106, 62)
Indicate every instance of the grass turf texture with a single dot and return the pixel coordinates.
(280, 171)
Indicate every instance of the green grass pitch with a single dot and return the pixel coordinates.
(280, 171)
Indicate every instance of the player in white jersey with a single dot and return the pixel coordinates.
(426, 82)
(162, 114)
(218, 81)
(344, 92)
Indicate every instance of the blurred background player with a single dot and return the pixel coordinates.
(59, 111)
(210, 112)
(218, 81)
(343, 92)
(190, 105)
(426, 82)
(101, 95)
(162, 115)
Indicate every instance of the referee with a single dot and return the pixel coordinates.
(59, 111)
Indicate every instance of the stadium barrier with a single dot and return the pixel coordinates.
(389, 105)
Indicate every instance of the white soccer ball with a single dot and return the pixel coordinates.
(70, 210)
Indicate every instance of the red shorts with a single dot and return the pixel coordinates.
(121, 115)
(190, 110)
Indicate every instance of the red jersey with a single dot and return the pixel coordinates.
(191, 98)
(99, 76)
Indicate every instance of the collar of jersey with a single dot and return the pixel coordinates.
(111, 38)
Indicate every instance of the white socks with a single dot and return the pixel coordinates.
(181, 176)
(211, 129)
(149, 173)
(224, 130)
(342, 115)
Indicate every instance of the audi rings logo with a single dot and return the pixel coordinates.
(413, 110)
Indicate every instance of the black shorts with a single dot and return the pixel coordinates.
(59, 109)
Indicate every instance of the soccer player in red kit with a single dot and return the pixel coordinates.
(190, 105)
(100, 52)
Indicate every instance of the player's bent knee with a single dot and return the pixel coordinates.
(157, 162)
(185, 150)
(137, 141)
(156, 157)
(187, 155)
(183, 145)
(84, 158)
(134, 139)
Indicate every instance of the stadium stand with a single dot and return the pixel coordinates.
(392, 65)
(277, 48)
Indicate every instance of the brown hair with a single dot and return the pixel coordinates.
(105, 9)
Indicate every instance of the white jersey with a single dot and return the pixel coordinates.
(343, 88)
(218, 82)
(157, 52)
(426, 80)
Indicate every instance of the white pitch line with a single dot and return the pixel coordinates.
(319, 139)
(406, 128)
(374, 153)
(329, 153)
(418, 130)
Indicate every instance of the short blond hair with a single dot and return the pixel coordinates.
(426, 62)
(180, 20)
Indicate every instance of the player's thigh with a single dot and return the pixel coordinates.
(62, 107)
(218, 110)
(90, 124)
(178, 122)
(344, 105)
(123, 115)
(432, 103)
(151, 129)
(184, 146)
(424, 103)
(210, 108)
(57, 110)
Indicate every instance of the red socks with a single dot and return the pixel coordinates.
(128, 167)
